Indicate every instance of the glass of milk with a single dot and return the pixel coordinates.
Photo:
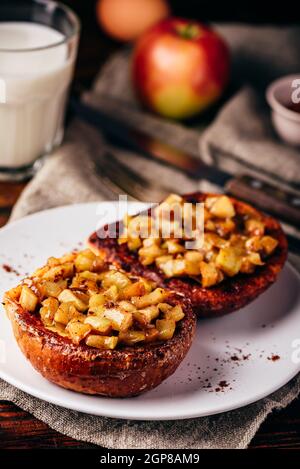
(38, 47)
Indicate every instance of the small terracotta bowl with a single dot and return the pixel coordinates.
(286, 121)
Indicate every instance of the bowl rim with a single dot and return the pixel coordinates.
(276, 105)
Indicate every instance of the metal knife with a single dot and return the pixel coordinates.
(285, 204)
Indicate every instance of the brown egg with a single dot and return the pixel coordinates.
(126, 20)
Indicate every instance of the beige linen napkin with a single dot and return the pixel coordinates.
(69, 176)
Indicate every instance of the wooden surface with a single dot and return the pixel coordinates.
(18, 429)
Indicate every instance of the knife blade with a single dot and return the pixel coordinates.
(285, 204)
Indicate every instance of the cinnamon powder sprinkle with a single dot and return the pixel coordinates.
(223, 384)
(274, 358)
(9, 269)
(235, 358)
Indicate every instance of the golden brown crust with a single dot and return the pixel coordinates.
(228, 296)
(122, 372)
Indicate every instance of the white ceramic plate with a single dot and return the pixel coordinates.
(234, 360)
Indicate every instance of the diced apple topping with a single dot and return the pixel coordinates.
(59, 272)
(254, 227)
(77, 297)
(65, 312)
(102, 308)
(120, 320)
(77, 330)
(176, 313)
(88, 261)
(114, 277)
(28, 299)
(99, 324)
(166, 328)
(220, 207)
(134, 289)
(232, 243)
(132, 337)
(229, 261)
(97, 300)
(49, 310)
(268, 244)
(153, 298)
(145, 316)
(209, 273)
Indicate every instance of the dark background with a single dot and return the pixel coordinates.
(96, 46)
(255, 11)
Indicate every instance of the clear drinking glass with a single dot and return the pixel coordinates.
(38, 48)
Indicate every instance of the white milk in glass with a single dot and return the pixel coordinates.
(33, 90)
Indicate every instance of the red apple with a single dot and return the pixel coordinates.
(126, 20)
(180, 67)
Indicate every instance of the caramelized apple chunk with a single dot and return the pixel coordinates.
(77, 330)
(99, 324)
(220, 206)
(132, 337)
(166, 328)
(48, 310)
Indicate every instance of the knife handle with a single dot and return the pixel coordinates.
(281, 203)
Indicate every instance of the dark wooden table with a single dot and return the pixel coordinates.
(18, 429)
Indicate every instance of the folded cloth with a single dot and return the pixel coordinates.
(71, 175)
(242, 139)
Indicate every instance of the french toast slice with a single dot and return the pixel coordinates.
(230, 294)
